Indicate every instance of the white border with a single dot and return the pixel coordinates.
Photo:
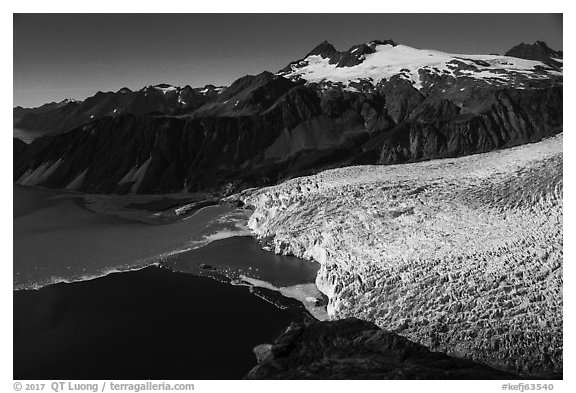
(307, 6)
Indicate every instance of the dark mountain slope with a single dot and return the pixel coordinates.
(356, 349)
(159, 99)
(267, 127)
(19, 147)
(436, 129)
(248, 95)
(537, 51)
(189, 152)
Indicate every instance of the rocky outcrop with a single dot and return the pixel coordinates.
(355, 349)
(463, 255)
(537, 51)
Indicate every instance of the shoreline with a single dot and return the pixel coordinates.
(178, 260)
(280, 297)
(306, 294)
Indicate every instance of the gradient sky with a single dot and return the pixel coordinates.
(59, 56)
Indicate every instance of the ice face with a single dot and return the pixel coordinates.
(463, 255)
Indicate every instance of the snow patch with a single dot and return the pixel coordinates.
(165, 90)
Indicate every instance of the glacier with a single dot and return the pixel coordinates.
(462, 255)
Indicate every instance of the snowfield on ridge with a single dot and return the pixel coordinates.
(412, 64)
(462, 255)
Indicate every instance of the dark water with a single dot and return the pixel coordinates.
(241, 255)
(150, 323)
(147, 324)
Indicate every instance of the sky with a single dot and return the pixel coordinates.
(58, 56)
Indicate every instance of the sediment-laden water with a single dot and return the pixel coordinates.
(89, 304)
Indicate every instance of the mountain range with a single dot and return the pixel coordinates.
(376, 103)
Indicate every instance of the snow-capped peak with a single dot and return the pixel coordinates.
(162, 88)
(379, 60)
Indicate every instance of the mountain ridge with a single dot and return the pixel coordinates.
(521, 50)
(272, 126)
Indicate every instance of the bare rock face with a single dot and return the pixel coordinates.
(537, 51)
(355, 349)
(439, 128)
